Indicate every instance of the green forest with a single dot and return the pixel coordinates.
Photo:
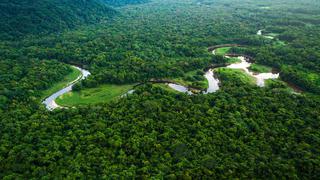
(120, 119)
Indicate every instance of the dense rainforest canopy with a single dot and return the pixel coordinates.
(22, 17)
(241, 131)
(19, 17)
(123, 2)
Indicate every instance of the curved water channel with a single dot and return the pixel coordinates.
(213, 82)
(260, 77)
(50, 102)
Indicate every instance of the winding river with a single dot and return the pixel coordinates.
(180, 88)
(260, 77)
(213, 82)
(50, 102)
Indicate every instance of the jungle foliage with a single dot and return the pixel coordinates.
(241, 131)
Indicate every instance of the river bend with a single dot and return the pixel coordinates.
(50, 102)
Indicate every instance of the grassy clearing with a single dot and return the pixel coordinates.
(260, 68)
(232, 60)
(103, 93)
(234, 76)
(193, 79)
(73, 75)
(274, 36)
(225, 50)
(222, 51)
(279, 43)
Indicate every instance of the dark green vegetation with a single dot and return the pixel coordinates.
(241, 131)
(20, 17)
(22, 80)
(238, 132)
